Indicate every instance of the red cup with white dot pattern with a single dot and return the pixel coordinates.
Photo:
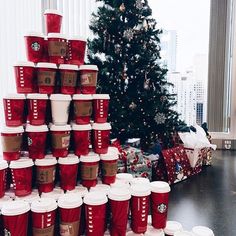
(100, 107)
(53, 20)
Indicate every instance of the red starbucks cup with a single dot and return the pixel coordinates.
(15, 218)
(140, 208)
(68, 78)
(88, 78)
(81, 136)
(82, 108)
(159, 203)
(60, 105)
(68, 167)
(12, 139)
(57, 48)
(21, 171)
(14, 109)
(43, 216)
(60, 140)
(45, 171)
(119, 205)
(34, 43)
(100, 107)
(154, 232)
(25, 77)
(125, 177)
(53, 19)
(3, 177)
(95, 213)
(46, 77)
(3, 201)
(89, 169)
(202, 231)
(55, 194)
(101, 137)
(37, 106)
(101, 188)
(76, 50)
(70, 212)
(173, 227)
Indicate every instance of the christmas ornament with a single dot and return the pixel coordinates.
(160, 118)
(122, 7)
(139, 4)
(129, 34)
(132, 106)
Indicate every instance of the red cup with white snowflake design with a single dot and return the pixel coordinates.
(81, 137)
(159, 203)
(57, 48)
(83, 108)
(68, 167)
(70, 212)
(12, 139)
(88, 78)
(68, 78)
(101, 137)
(36, 137)
(15, 218)
(53, 20)
(119, 205)
(43, 213)
(37, 106)
(3, 177)
(139, 208)
(173, 227)
(76, 50)
(14, 109)
(25, 77)
(45, 171)
(60, 136)
(95, 213)
(46, 77)
(21, 171)
(89, 169)
(100, 107)
(34, 43)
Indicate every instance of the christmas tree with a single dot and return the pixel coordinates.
(126, 48)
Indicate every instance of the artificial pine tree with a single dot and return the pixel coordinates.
(126, 49)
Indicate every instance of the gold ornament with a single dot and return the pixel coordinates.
(122, 7)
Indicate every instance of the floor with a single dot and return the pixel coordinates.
(208, 199)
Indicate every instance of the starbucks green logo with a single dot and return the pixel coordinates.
(7, 233)
(35, 46)
(162, 208)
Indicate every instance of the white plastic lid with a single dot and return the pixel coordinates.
(91, 157)
(24, 63)
(88, 67)
(79, 38)
(120, 184)
(95, 199)
(55, 194)
(34, 34)
(60, 128)
(160, 187)
(56, 35)
(140, 180)
(102, 188)
(124, 177)
(68, 67)
(52, 11)
(103, 126)
(21, 163)
(172, 227)
(101, 96)
(111, 155)
(119, 194)
(4, 200)
(43, 205)
(139, 190)
(113, 150)
(202, 231)
(70, 200)
(12, 130)
(37, 96)
(49, 160)
(131, 233)
(14, 96)
(69, 160)
(81, 127)
(79, 189)
(3, 165)
(184, 233)
(13, 208)
(36, 128)
(60, 97)
(151, 231)
(30, 198)
(82, 97)
(46, 65)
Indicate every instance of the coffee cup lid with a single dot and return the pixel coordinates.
(124, 176)
(13, 208)
(110, 156)
(139, 190)
(49, 160)
(34, 34)
(151, 231)
(88, 67)
(94, 199)
(101, 96)
(56, 35)
(103, 126)
(172, 227)
(131, 233)
(52, 11)
(14, 96)
(43, 205)
(82, 97)
(120, 184)
(46, 65)
(91, 157)
(21, 163)
(202, 231)
(183, 233)
(68, 67)
(55, 194)
(69, 160)
(3, 165)
(102, 188)
(37, 96)
(30, 198)
(24, 63)
(160, 187)
(36, 128)
(76, 37)
(60, 97)
(4, 200)
(79, 189)
(113, 150)
(140, 180)
(12, 130)
(81, 127)
(119, 194)
(60, 127)
(70, 200)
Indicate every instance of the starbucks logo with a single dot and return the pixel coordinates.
(35, 46)
(162, 208)
(7, 233)
(29, 141)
